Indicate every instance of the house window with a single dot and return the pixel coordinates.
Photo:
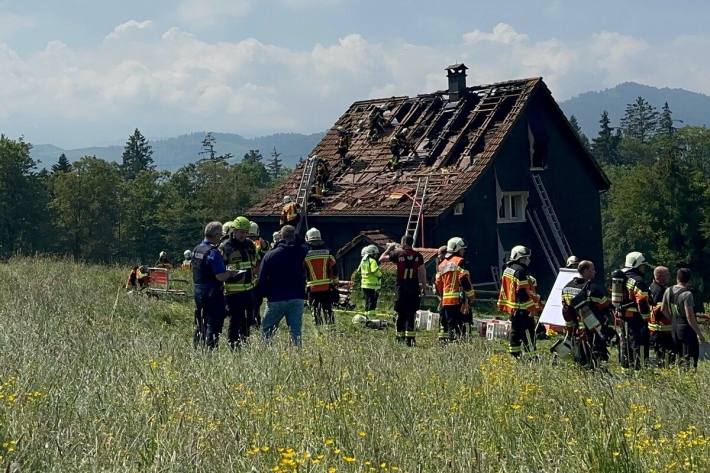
(511, 207)
(458, 209)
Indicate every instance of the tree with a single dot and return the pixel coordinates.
(137, 156)
(665, 122)
(275, 166)
(640, 121)
(605, 147)
(63, 164)
(578, 130)
(254, 156)
(208, 143)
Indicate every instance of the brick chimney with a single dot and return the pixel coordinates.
(457, 81)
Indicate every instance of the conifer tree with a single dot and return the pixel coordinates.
(640, 121)
(665, 122)
(63, 164)
(605, 147)
(275, 166)
(578, 130)
(137, 156)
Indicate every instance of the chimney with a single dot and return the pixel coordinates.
(457, 81)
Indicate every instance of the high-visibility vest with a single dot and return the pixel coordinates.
(239, 257)
(637, 292)
(517, 291)
(453, 282)
(320, 270)
(289, 212)
(371, 274)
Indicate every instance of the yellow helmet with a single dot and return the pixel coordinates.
(242, 223)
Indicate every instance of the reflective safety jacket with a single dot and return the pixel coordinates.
(289, 213)
(370, 273)
(636, 292)
(596, 296)
(658, 322)
(320, 270)
(517, 290)
(453, 283)
(239, 255)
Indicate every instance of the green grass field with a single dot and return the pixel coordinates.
(82, 389)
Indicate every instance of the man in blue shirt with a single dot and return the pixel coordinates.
(209, 273)
(282, 281)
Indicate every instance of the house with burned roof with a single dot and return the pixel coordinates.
(498, 165)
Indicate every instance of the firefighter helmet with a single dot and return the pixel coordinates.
(634, 260)
(287, 199)
(275, 236)
(242, 223)
(519, 252)
(227, 228)
(572, 262)
(313, 235)
(370, 250)
(253, 229)
(163, 254)
(187, 254)
(454, 245)
(359, 319)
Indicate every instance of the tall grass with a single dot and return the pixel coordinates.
(85, 389)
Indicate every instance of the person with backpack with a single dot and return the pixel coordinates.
(678, 306)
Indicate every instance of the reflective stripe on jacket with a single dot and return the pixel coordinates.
(453, 283)
(517, 292)
(371, 274)
(320, 270)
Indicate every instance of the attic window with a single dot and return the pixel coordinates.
(458, 209)
(511, 207)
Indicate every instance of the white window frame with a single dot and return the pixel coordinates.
(458, 208)
(506, 199)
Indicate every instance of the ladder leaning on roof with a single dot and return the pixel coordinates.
(416, 214)
(304, 187)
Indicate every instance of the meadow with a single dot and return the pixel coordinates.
(84, 387)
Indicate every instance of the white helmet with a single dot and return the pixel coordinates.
(163, 254)
(454, 245)
(634, 260)
(359, 319)
(187, 254)
(313, 235)
(287, 199)
(227, 227)
(275, 236)
(253, 229)
(370, 250)
(572, 262)
(519, 252)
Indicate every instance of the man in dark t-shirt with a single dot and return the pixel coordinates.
(411, 281)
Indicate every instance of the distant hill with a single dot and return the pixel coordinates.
(691, 107)
(173, 153)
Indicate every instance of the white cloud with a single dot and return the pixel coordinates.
(128, 27)
(205, 13)
(11, 23)
(173, 82)
(310, 3)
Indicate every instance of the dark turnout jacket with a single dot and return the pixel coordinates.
(283, 275)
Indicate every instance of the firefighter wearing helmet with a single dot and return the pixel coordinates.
(370, 278)
(321, 278)
(261, 248)
(239, 255)
(290, 213)
(454, 288)
(634, 312)
(163, 261)
(518, 299)
(186, 260)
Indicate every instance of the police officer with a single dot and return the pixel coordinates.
(240, 255)
(208, 274)
(410, 284)
(586, 310)
(636, 311)
(518, 298)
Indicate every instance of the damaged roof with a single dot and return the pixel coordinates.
(454, 141)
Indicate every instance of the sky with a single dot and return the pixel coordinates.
(83, 73)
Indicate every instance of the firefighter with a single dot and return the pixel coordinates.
(322, 179)
(370, 279)
(660, 328)
(635, 312)
(572, 262)
(163, 261)
(453, 285)
(226, 230)
(261, 248)
(410, 284)
(321, 278)
(518, 299)
(586, 311)
(239, 253)
(275, 237)
(376, 123)
(344, 139)
(186, 264)
(138, 279)
(290, 214)
(398, 144)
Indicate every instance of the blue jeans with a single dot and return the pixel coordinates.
(292, 309)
